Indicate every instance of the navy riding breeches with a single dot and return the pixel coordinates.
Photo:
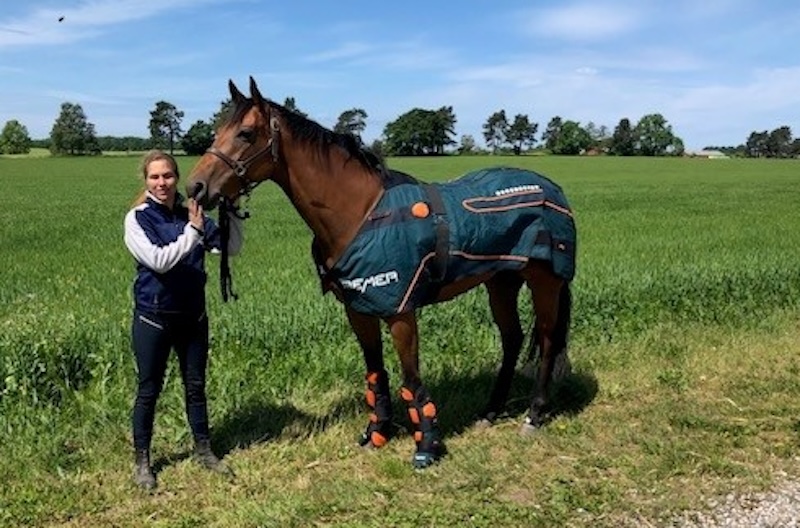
(154, 335)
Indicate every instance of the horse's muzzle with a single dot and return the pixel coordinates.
(197, 190)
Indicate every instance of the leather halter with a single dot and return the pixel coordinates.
(241, 165)
(239, 168)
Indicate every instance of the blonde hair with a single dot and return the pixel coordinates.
(147, 159)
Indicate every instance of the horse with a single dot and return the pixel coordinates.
(368, 220)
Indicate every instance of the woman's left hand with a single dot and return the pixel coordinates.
(195, 214)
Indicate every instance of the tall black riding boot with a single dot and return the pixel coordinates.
(206, 458)
(143, 474)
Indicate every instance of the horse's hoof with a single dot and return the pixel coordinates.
(528, 429)
(423, 460)
(483, 424)
(486, 420)
(374, 440)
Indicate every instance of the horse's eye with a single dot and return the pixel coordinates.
(246, 134)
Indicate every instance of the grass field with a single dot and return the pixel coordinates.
(684, 343)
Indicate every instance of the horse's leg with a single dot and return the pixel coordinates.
(379, 400)
(503, 291)
(421, 409)
(546, 289)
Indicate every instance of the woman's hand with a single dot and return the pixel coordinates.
(195, 214)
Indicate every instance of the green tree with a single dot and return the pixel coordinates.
(622, 141)
(165, 125)
(521, 133)
(198, 138)
(779, 142)
(467, 144)
(572, 139)
(795, 148)
(551, 134)
(677, 148)
(351, 121)
(654, 136)
(599, 134)
(14, 138)
(377, 148)
(403, 135)
(225, 110)
(72, 133)
(43, 143)
(420, 132)
(123, 144)
(756, 146)
(443, 125)
(495, 130)
(290, 104)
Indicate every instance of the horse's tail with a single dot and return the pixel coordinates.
(561, 363)
(561, 334)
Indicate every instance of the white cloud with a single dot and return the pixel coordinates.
(764, 101)
(582, 21)
(766, 90)
(84, 98)
(722, 113)
(347, 50)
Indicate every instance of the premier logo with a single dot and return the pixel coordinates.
(360, 284)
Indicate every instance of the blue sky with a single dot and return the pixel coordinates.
(716, 69)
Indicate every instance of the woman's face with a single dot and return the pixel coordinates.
(161, 181)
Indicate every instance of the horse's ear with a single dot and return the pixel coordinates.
(254, 93)
(236, 95)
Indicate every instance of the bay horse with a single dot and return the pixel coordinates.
(368, 221)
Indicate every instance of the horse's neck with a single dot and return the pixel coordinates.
(333, 198)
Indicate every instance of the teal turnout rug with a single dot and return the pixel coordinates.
(421, 236)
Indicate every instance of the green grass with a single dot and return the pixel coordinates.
(684, 341)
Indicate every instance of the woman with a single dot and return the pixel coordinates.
(169, 242)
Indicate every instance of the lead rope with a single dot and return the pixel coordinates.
(225, 277)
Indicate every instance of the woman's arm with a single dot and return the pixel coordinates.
(158, 258)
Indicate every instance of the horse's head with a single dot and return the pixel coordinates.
(244, 152)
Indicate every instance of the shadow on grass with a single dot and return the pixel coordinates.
(257, 422)
(460, 398)
(253, 423)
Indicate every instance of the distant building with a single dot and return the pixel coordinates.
(707, 154)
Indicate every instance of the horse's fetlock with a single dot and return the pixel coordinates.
(379, 401)
(423, 415)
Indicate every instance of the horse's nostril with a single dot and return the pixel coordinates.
(196, 191)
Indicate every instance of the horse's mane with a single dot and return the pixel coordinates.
(322, 138)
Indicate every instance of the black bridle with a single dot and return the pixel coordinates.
(246, 186)
(240, 166)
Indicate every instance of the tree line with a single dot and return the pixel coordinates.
(418, 132)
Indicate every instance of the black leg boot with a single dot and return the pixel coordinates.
(206, 458)
(143, 475)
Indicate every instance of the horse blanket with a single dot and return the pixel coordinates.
(420, 236)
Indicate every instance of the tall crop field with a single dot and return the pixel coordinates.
(684, 343)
